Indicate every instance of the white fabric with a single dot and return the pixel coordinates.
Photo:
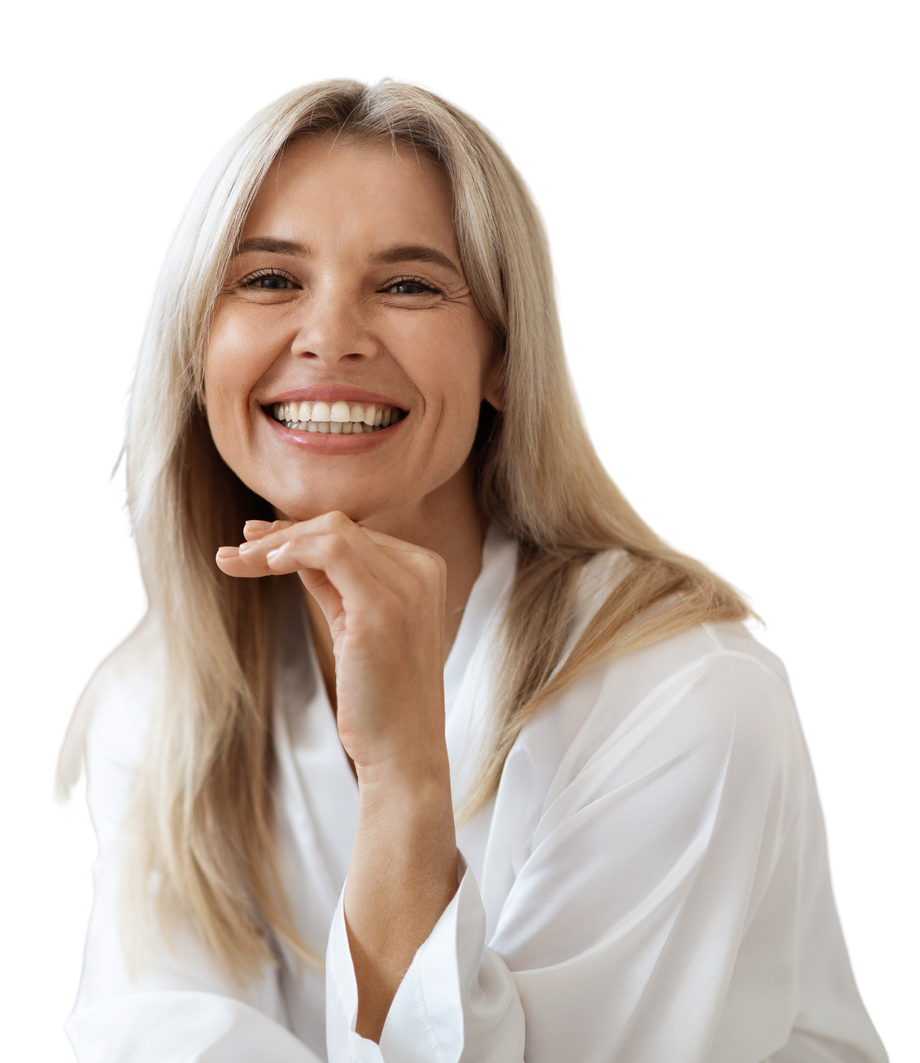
(649, 884)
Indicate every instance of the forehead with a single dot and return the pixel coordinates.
(373, 191)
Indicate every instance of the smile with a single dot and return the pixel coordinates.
(345, 418)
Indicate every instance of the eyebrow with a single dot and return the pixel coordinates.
(269, 243)
(413, 253)
(391, 256)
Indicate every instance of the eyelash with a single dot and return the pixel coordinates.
(260, 273)
(412, 280)
(251, 279)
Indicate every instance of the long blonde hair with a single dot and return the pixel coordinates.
(207, 793)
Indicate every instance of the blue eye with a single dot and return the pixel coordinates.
(410, 286)
(268, 281)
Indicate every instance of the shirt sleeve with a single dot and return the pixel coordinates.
(457, 1000)
(654, 913)
(179, 1006)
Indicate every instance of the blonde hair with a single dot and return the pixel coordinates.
(207, 795)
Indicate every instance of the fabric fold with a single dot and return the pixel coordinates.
(181, 1027)
(649, 882)
(457, 1002)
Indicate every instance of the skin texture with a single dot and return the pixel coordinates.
(383, 529)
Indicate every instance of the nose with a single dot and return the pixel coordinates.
(332, 328)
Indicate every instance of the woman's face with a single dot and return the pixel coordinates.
(347, 300)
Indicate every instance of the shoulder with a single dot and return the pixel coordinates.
(689, 705)
(740, 677)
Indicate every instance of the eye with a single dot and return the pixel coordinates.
(410, 286)
(268, 280)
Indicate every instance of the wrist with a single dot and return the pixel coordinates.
(407, 789)
(415, 772)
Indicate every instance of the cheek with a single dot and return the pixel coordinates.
(225, 404)
(232, 362)
(460, 396)
(218, 398)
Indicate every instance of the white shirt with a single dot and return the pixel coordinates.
(648, 885)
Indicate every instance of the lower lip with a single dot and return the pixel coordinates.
(327, 443)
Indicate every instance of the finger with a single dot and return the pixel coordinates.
(330, 556)
(267, 538)
(366, 577)
(360, 563)
(336, 582)
(253, 530)
(229, 561)
(261, 538)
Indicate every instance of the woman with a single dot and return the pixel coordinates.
(441, 605)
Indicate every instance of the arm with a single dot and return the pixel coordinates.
(645, 888)
(384, 603)
(643, 905)
(401, 877)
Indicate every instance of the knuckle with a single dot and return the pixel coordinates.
(337, 520)
(336, 547)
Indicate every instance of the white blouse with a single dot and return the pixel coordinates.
(648, 885)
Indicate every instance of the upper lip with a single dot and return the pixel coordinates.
(331, 393)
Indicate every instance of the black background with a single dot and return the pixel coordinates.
(689, 228)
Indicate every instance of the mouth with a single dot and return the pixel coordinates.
(335, 418)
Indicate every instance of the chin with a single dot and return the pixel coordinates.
(300, 509)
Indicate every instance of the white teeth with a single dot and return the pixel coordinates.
(340, 412)
(341, 418)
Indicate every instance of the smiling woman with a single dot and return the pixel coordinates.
(451, 715)
(348, 291)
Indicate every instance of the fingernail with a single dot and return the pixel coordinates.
(227, 551)
(257, 524)
(246, 546)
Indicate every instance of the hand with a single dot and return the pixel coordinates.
(383, 600)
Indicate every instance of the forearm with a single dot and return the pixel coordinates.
(401, 877)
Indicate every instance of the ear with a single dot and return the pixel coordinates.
(493, 381)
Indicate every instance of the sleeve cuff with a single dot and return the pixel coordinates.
(457, 1000)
